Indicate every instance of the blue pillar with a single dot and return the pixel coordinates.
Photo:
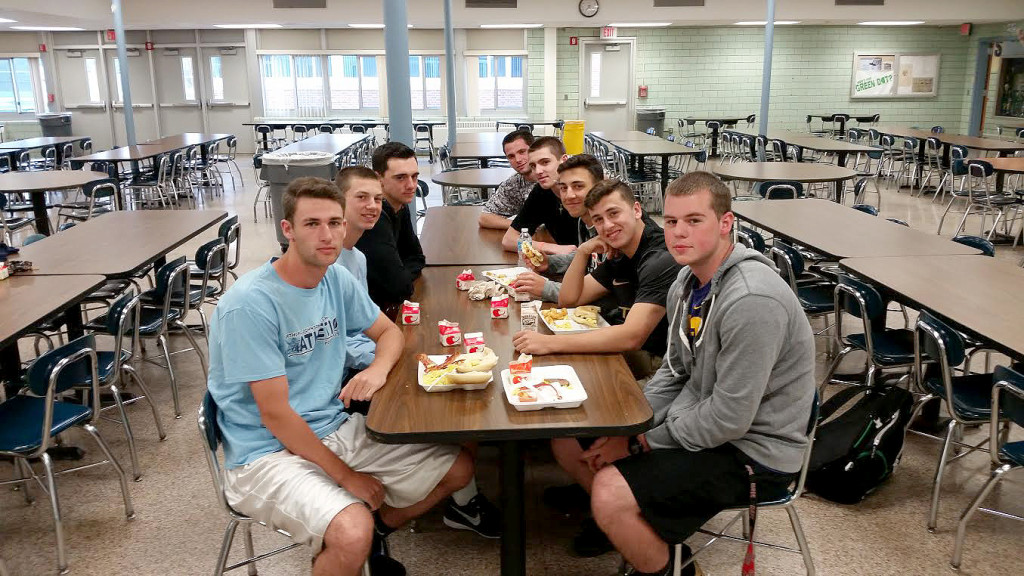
(766, 74)
(122, 63)
(449, 65)
(396, 56)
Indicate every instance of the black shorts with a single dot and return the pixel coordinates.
(679, 491)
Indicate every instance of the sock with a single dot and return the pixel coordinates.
(463, 496)
(379, 526)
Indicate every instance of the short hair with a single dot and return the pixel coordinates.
(309, 187)
(349, 173)
(386, 152)
(524, 135)
(606, 187)
(554, 145)
(721, 197)
(593, 165)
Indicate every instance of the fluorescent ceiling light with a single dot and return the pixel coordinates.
(372, 26)
(47, 28)
(511, 25)
(762, 22)
(242, 26)
(891, 23)
(7, 20)
(640, 24)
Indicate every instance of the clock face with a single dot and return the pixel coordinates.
(589, 8)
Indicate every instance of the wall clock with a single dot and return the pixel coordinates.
(589, 8)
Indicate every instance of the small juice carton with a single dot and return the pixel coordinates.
(499, 306)
(410, 313)
(450, 333)
(519, 369)
(474, 342)
(462, 280)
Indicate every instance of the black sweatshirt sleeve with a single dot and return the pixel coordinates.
(389, 273)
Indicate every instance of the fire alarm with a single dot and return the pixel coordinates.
(111, 36)
(42, 47)
(642, 91)
(149, 45)
(573, 40)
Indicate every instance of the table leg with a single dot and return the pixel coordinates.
(484, 162)
(664, 174)
(842, 127)
(39, 211)
(513, 532)
(838, 197)
(10, 368)
(714, 142)
(841, 158)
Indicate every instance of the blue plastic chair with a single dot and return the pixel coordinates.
(866, 208)
(813, 292)
(751, 239)
(781, 190)
(987, 248)
(29, 424)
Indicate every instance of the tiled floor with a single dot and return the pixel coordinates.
(178, 525)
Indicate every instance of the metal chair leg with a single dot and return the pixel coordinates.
(250, 550)
(130, 371)
(132, 453)
(933, 513)
(129, 509)
(24, 472)
(188, 334)
(162, 343)
(225, 547)
(58, 524)
(961, 527)
(801, 540)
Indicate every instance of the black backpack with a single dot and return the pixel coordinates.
(859, 442)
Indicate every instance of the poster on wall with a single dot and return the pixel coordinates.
(894, 75)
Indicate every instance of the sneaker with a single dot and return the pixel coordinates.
(381, 562)
(478, 515)
(567, 499)
(590, 541)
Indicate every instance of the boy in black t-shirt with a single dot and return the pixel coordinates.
(637, 273)
(543, 206)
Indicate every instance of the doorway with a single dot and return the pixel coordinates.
(606, 83)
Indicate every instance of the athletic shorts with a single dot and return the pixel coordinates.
(290, 493)
(679, 491)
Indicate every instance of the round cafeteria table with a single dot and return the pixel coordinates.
(483, 178)
(781, 171)
(38, 183)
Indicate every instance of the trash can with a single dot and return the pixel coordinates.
(280, 168)
(572, 136)
(55, 124)
(651, 117)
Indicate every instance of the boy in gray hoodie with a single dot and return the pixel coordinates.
(732, 399)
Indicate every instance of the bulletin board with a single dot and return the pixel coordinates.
(894, 75)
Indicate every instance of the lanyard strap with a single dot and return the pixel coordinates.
(748, 560)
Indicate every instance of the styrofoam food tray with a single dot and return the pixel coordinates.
(575, 327)
(504, 276)
(437, 359)
(572, 397)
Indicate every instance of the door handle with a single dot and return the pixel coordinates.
(587, 102)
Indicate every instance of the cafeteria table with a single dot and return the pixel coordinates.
(841, 148)
(723, 121)
(482, 178)
(638, 148)
(452, 236)
(402, 412)
(329, 143)
(623, 135)
(12, 146)
(839, 231)
(481, 137)
(979, 295)
(37, 184)
(1002, 147)
(805, 172)
(482, 152)
(1004, 166)
(514, 123)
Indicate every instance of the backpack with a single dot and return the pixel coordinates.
(859, 442)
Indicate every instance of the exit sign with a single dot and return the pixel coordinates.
(608, 32)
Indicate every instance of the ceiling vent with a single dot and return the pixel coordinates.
(492, 3)
(300, 3)
(860, 2)
(677, 3)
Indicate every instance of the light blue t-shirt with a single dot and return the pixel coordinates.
(264, 327)
(360, 348)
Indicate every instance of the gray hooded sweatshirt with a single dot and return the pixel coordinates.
(749, 376)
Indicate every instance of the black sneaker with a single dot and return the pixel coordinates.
(381, 562)
(478, 515)
(567, 499)
(590, 541)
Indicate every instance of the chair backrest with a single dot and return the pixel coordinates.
(171, 279)
(358, 129)
(859, 299)
(422, 189)
(979, 168)
(987, 248)
(326, 129)
(933, 145)
(210, 433)
(873, 135)
(812, 430)
(910, 144)
(1007, 402)
(854, 134)
(866, 208)
(105, 188)
(750, 238)
(300, 129)
(123, 318)
(33, 238)
(63, 368)
(65, 226)
(422, 128)
(25, 158)
(958, 152)
(798, 152)
(263, 129)
(789, 262)
(887, 140)
(5, 163)
(87, 145)
(939, 341)
(231, 232)
(938, 129)
(750, 119)
(713, 124)
(898, 221)
(781, 190)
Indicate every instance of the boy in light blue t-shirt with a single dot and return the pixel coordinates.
(295, 459)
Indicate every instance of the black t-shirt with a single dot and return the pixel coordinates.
(543, 207)
(645, 278)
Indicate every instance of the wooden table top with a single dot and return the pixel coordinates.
(478, 137)
(776, 171)
(1014, 164)
(492, 149)
(452, 237)
(473, 177)
(128, 153)
(656, 147)
(841, 232)
(980, 294)
(44, 180)
(25, 300)
(329, 143)
(39, 142)
(119, 243)
(974, 142)
(186, 139)
(404, 412)
(623, 135)
(804, 140)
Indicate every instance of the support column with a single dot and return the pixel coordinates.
(766, 74)
(122, 63)
(550, 74)
(449, 64)
(396, 57)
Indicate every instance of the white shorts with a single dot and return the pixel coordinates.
(290, 493)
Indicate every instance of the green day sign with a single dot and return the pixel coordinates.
(873, 83)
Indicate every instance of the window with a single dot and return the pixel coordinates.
(278, 85)
(595, 75)
(501, 85)
(117, 81)
(17, 92)
(92, 78)
(188, 79)
(353, 82)
(425, 82)
(216, 78)
(309, 85)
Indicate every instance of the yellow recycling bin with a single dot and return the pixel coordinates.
(572, 136)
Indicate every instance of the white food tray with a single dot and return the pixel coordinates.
(574, 327)
(447, 387)
(572, 396)
(504, 276)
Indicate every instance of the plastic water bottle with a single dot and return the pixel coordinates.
(524, 236)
